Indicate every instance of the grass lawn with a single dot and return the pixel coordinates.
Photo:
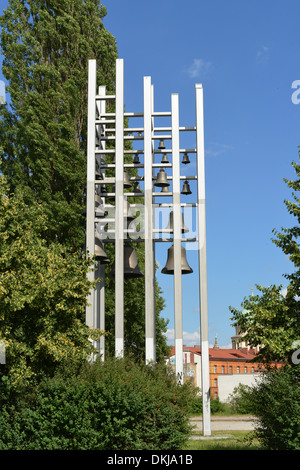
(233, 440)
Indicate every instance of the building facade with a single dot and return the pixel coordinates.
(227, 368)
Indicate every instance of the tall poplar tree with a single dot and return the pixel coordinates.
(46, 46)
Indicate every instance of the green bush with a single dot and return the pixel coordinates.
(195, 405)
(242, 400)
(115, 405)
(276, 402)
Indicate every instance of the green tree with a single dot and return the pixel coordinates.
(46, 48)
(272, 319)
(275, 401)
(43, 291)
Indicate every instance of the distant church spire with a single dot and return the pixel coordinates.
(216, 346)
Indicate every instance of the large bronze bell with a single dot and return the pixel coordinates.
(131, 267)
(100, 253)
(161, 180)
(170, 227)
(185, 158)
(169, 267)
(186, 188)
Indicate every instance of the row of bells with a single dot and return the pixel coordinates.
(131, 267)
(161, 146)
(161, 182)
(136, 160)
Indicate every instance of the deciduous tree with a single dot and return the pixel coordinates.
(43, 291)
(272, 319)
(46, 47)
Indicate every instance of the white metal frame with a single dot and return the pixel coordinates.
(100, 309)
(119, 215)
(149, 245)
(202, 260)
(177, 238)
(90, 192)
(95, 311)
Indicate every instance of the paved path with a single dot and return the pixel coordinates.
(228, 423)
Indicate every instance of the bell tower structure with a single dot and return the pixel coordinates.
(110, 215)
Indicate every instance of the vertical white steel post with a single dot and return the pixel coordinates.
(90, 190)
(101, 285)
(177, 239)
(149, 253)
(153, 243)
(119, 211)
(202, 261)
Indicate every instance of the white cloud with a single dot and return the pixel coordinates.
(190, 338)
(199, 68)
(214, 149)
(227, 346)
(262, 55)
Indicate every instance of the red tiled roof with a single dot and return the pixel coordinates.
(220, 353)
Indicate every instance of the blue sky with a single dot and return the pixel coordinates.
(246, 56)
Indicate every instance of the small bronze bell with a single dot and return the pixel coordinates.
(161, 145)
(170, 227)
(136, 160)
(102, 160)
(127, 183)
(185, 159)
(186, 188)
(165, 189)
(169, 267)
(127, 212)
(136, 188)
(100, 253)
(99, 209)
(99, 175)
(131, 267)
(161, 180)
(164, 159)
